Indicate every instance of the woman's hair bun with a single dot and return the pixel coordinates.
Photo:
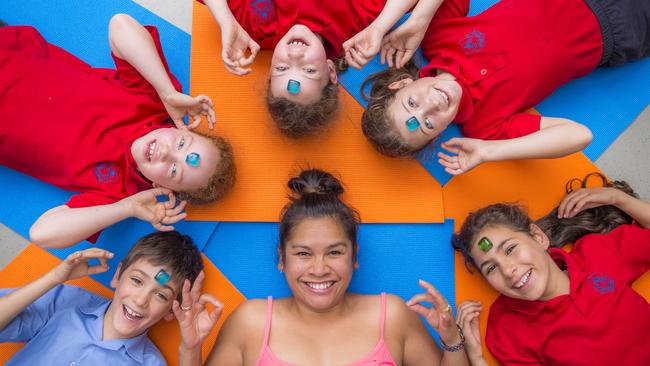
(315, 181)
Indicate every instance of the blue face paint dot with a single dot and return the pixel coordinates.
(162, 277)
(293, 86)
(193, 159)
(412, 124)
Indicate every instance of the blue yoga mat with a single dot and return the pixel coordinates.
(26, 198)
(607, 101)
(392, 257)
(81, 28)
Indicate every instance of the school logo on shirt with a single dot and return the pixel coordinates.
(264, 10)
(602, 283)
(473, 42)
(107, 172)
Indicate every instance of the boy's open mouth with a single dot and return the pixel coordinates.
(131, 314)
(149, 150)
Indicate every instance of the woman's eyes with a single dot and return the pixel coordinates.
(281, 68)
(510, 249)
(181, 143)
(173, 173)
(490, 269)
(162, 296)
(428, 124)
(310, 70)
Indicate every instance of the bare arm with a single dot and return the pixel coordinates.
(586, 198)
(557, 137)
(131, 42)
(63, 226)
(74, 266)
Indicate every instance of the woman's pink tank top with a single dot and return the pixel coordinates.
(380, 356)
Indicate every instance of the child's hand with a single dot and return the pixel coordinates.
(586, 198)
(469, 153)
(161, 215)
(76, 265)
(467, 317)
(400, 45)
(194, 319)
(178, 105)
(235, 43)
(361, 48)
(439, 316)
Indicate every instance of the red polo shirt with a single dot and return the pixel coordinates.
(511, 57)
(266, 21)
(601, 322)
(72, 125)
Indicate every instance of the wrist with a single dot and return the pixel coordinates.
(52, 279)
(125, 207)
(454, 343)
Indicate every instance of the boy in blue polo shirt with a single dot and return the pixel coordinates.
(68, 325)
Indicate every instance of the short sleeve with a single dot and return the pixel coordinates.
(131, 79)
(89, 199)
(31, 320)
(632, 244)
(518, 125)
(503, 338)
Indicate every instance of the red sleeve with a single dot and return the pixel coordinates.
(520, 124)
(632, 244)
(133, 80)
(88, 199)
(452, 9)
(503, 337)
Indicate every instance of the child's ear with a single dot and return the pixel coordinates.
(540, 236)
(396, 85)
(331, 71)
(115, 280)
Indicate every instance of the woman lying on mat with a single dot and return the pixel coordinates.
(321, 323)
(108, 134)
(559, 308)
(307, 39)
(487, 70)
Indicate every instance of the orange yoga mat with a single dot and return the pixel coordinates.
(34, 262)
(538, 184)
(382, 189)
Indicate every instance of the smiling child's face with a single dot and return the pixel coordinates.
(161, 156)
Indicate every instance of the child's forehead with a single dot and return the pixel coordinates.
(161, 274)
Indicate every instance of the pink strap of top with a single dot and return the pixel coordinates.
(380, 355)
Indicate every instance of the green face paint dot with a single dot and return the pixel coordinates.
(293, 86)
(193, 159)
(412, 124)
(162, 277)
(484, 244)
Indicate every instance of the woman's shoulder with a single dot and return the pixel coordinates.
(251, 313)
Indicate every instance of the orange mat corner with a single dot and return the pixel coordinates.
(34, 262)
(266, 160)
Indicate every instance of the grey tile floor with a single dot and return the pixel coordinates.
(627, 158)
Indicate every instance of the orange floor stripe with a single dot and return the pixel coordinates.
(382, 189)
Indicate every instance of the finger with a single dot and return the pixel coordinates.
(99, 268)
(171, 201)
(180, 124)
(405, 58)
(174, 219)
(186, 296)
(218, 306)
(439, 301)
(160, 227)
(570, 202)
(160, 191)
(195, 123)
(170, 212)
(398, 58)
(197, 286)
(425, 312)
(454, 171)
(212, 118)
(390, 56)
(418, 298)
(353, 59)
(178, 313)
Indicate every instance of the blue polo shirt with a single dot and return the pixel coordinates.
(64, 327)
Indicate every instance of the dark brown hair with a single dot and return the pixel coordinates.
(315, 194)
(297, 120)
(173, 250)
(376, 123)
(221, 181)
(600, 219)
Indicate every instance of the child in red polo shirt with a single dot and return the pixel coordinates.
(108, 134)
(558, 307)
(307, 38)
(486, 71)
